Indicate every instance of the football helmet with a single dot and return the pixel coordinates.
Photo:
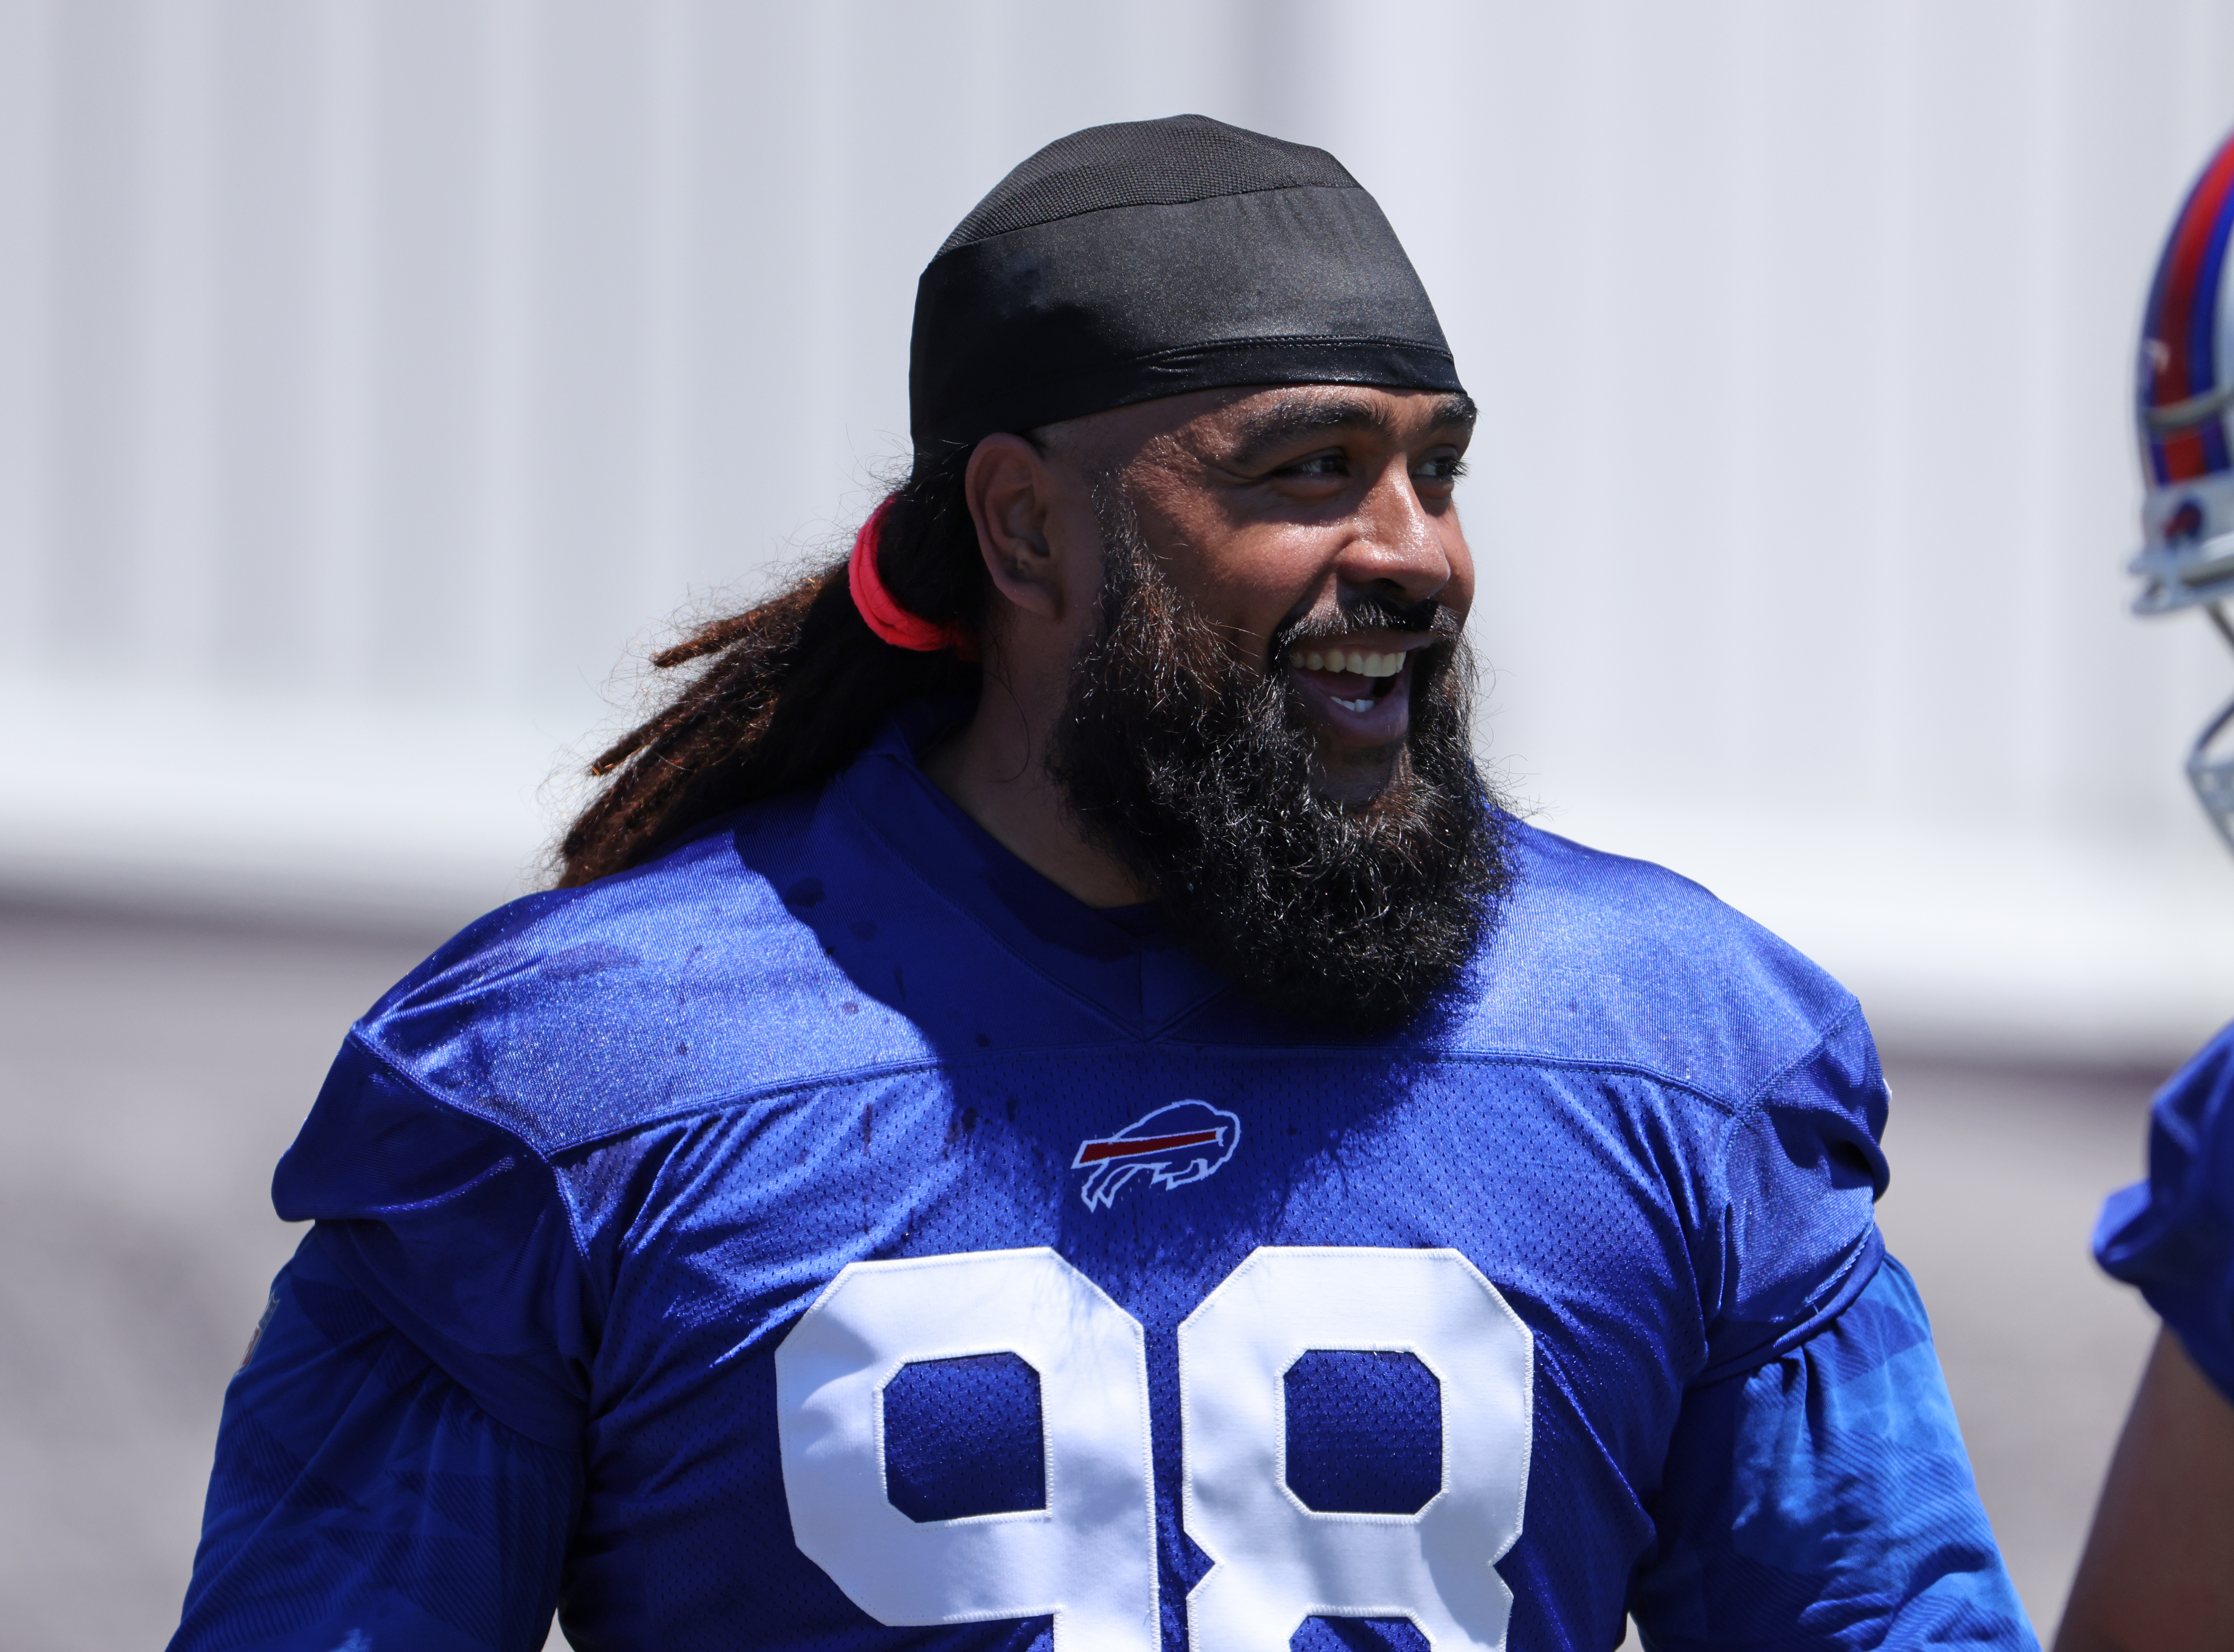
(2186, 397)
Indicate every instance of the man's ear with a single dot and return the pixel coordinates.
(1011, 492)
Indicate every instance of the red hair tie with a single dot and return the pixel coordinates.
(891, 622)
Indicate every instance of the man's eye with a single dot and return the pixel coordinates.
(1318, 465)
(1448, 469)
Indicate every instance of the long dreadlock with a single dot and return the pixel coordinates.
(791, 689)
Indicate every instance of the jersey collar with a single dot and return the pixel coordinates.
(1125, 962)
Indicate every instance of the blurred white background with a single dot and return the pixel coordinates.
(373, 372)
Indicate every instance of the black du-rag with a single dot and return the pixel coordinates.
(1154, 258)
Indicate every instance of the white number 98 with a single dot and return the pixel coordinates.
(1088, 1556)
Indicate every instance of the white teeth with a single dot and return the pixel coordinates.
(1359, 705)
(1364, 664)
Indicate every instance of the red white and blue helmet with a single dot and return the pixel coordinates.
(2185, 397)
(2186, 394)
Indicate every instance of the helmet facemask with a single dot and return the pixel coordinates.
(2210, 760)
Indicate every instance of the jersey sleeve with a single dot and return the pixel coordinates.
(1800, 1174)
(458, 1232)
(1824, 1500)
(361, 1499)
(2174, 1234)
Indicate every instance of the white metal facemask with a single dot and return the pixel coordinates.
(2210, 760)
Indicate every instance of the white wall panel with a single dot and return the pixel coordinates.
(383, 367)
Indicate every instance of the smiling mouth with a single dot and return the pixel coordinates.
(1379, 671)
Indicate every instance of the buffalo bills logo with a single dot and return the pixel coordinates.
(2184, 525)
(1176, 1145)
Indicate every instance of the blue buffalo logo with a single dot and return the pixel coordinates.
(1174, 1145)
(2185, 526)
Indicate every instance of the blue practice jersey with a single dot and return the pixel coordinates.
(832, 1237)
(2173, 1234)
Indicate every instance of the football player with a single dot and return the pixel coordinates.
(1052, 1109)
(2159, 1566)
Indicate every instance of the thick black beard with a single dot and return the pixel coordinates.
(1198, 775)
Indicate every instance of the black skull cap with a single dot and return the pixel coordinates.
(1154, 258)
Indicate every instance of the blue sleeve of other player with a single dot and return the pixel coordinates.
(2173, 1234)
(1825, 1501)
(361, 1500)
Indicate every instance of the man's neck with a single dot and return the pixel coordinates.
(995, 767)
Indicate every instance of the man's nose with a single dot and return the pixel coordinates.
(1398, 547)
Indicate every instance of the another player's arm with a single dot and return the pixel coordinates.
(2158, 1568)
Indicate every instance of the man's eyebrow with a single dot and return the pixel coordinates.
(1312, 416)
(1457, 408)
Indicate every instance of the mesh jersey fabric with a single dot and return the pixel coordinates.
(2172, 1235)
(657, 1118)
(962, 1437)
(1364, 1431)
(1154, 258)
